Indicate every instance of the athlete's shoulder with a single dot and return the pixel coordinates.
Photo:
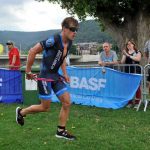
(50, 41)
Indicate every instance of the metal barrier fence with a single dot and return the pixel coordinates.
(128, 68)
(145, 92)
(134, 68)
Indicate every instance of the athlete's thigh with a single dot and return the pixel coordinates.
(59, 88)
(45, 90)
(45, 103)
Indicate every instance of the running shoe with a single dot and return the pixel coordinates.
(19, 117)
(65, 134)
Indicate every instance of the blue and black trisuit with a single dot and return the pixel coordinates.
(51, 62)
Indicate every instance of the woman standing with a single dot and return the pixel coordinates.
(131, 55)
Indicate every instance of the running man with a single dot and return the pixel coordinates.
(55, 50)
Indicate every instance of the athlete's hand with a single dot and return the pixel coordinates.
(30, 76)
(67, 79)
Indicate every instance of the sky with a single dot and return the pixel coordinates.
(30, 15)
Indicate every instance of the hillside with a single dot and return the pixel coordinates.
(89, 32)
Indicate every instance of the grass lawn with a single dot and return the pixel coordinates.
(95, 128)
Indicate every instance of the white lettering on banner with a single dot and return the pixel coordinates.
(1, 81)
(92, 98)
(88, 84)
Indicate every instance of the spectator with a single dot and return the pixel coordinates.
(131, 55)
(108, 57)
(147, 56)
(14, 56)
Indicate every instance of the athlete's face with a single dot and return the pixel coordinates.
(71, 32)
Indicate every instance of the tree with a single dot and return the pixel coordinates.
(123, 19)
(73, 49)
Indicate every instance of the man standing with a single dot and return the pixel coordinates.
(147, 50)
(147, 56)
(108, 57)
(14, 56)
(55, 50)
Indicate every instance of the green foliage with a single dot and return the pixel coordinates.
(90, 31)
(73, 49)
(115, 47)
(115, 11)
(100, 48)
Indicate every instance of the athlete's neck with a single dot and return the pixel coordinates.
(64, 38)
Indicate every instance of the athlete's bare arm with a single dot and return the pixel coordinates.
(31, 56)
(63, 67)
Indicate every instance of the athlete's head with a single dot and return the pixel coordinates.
(70, 27)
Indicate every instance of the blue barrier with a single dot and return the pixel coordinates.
(93, 87)
(10, 86)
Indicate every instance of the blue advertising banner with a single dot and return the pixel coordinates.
(10, 86)
(101, 87)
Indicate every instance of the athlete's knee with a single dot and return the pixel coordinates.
(65, 100)
(66, 104)
(45, 108)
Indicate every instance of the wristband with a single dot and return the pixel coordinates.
(29, 72)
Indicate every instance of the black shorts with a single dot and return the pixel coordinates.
(45, 89)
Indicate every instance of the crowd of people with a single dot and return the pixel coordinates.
(130, 56)
(55, 50)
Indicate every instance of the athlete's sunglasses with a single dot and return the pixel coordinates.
(73, 29)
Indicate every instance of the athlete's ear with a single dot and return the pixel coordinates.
(63, 28)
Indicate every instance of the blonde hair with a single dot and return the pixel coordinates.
(68, 21)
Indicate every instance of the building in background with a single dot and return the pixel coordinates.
(87, 48)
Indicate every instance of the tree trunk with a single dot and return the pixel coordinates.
(143, 29)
